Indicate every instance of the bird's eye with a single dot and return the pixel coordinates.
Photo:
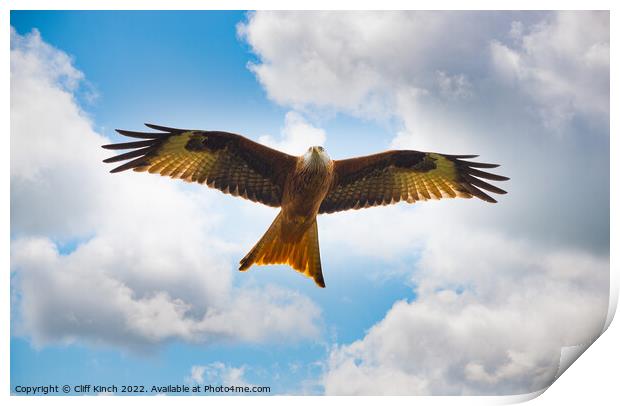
(321, 149)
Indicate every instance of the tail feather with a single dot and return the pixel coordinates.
(302, 253)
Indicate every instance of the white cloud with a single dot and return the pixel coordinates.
(372, 63)
(491, 317)
(356, 60)
(297, 135)
(147, 268)
(218, 373)
(562, 62)
(58, 70)
(500, 288)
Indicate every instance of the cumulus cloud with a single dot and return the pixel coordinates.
(351, 63)
(491, 317)
(116, 260)
(359, 61)
(296, 136)
(562, 61)
(500, 289)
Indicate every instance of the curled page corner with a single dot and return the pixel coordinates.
(569, 354)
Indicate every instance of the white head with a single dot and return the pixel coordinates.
(316, 156)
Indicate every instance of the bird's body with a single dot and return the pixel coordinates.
(293, 236)
(305, 190)
(303, 187)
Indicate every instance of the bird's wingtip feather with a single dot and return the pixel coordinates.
(164, 128)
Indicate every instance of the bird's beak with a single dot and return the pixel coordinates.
(315, 151)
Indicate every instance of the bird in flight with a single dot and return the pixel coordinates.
(301, 186)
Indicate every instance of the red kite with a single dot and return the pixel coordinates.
(303, 186)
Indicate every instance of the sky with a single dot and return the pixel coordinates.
(131, 279)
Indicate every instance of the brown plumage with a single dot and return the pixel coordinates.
(303, 186)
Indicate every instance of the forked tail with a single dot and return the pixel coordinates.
(301, 253)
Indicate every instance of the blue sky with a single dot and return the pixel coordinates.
(126, 279)
(150, 67)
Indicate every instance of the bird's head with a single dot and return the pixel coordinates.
(316, 155)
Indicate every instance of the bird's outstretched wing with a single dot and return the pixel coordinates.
(394, 176)
(225, 161)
